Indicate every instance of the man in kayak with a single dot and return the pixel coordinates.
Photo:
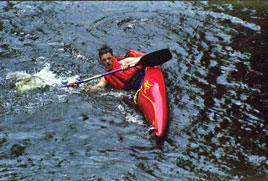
(123, 80)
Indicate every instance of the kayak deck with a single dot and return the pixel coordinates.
(152, 99)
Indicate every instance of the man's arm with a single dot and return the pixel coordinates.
(129, 61)
(94, 88)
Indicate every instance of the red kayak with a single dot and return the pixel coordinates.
(152, 98)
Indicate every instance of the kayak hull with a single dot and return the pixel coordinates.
(152, 99)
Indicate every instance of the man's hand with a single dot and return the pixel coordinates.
(73, 84)
(124, 67)
(129, 61)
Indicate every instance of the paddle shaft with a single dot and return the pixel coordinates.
(98, 76)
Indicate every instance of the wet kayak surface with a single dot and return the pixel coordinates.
(216, 85)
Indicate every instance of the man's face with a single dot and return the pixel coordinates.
(107, 60)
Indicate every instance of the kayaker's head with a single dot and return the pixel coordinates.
(106, 56)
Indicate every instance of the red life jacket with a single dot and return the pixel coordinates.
(120, 79)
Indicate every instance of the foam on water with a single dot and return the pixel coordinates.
(115, 93)
(134, 118)
(126, 110)
(40, 79)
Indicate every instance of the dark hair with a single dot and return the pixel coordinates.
(105, 49)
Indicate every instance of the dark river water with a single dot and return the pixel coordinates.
(217, 84)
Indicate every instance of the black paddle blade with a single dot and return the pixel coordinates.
(155, 58)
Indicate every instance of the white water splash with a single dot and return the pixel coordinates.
(134, 118)
(40, 79)
(124, 109)
(117, 93)
(130, 117)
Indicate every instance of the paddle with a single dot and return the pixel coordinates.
(148, 60)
